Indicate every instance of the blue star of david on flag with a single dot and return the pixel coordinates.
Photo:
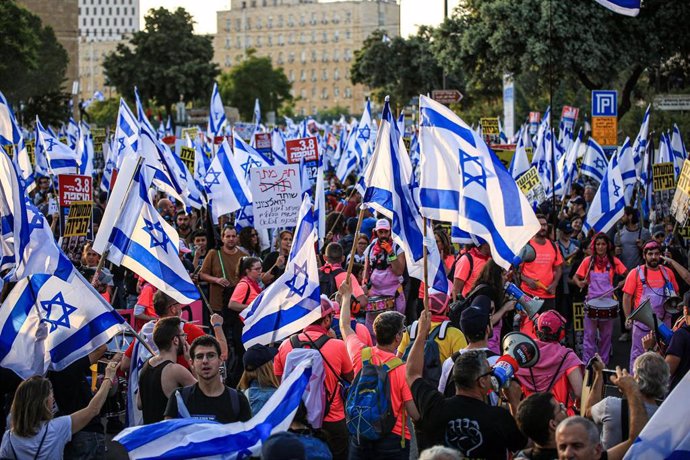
(599, 163)
(213, 176)
(242, 215)
(51, 144)
(63, 320)
(616, 189)
(36, 221)
(467, 177)
(150, 227)
(249, 164)
(120, 144)
(292, 283)
(364, 133)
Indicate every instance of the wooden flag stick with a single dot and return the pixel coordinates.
(426, 271)
(354, 246)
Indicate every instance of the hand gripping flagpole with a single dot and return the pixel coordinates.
(354, 246)
(426, 269)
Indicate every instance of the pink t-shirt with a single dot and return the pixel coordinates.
(462, 269)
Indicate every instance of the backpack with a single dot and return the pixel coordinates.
(456, 308)
(433, 367)
(327, 282)
(335, 325)
(451, 270)
(316, 345)
(368, 409)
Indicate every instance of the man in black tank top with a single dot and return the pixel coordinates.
(161, 374)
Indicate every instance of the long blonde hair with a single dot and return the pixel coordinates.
(30, 406)
(264, 375)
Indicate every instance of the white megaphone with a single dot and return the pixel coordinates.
(519, 350)
(529, 305)
(646, 316)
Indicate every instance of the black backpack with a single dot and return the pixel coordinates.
(451, 270)
(433, 367)
(456, 308)
(327, 282)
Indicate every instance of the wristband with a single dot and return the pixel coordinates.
(217, 325)
(392, 258)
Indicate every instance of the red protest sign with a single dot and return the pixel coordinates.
(305, 148)
(72, 187)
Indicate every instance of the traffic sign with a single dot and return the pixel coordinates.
(605, 103)
(446, 96)
(605, 130)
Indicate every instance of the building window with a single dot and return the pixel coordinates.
(228, 61)
(228, 24)
(324, 93)
(280, 57)
(348, 93)
(313, 19)
(291, 76)
(258, 41)
(291, 57)
(258, 24)
(238, 42)
(303, 76)
(227, 42)
(336, 92)
(269, 40)
(336, 17)
(291, 21)
(313, 91)
(313, 36)
(249, 42)
(324, 56)
(269, 23)
(336, 36)
(280, 20)
(280, 40)
(324, 75)
(324, 18)
(324, 37)
(382, 18)
(248, 24)
(346, 55)
(336, 55)
(313, 56)
(313, 75)
(291, 38)
(303, 57)
(238, 24)
(302, 38)
(336, 74)
(347, 73)
(348, 17)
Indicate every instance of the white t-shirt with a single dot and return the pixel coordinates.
(59, 433)
(607, 415)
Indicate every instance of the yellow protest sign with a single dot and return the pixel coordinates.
(489, 126)
(681, 198)
(79, 219)
(530, 184)
(187, 157)
(664, 176)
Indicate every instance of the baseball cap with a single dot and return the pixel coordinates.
(382, 224)
(258, 355)
(651, 245)
(474, 320)
(579, 200)
(327, 306)
(283, 446)
(438, 303)
(550, 321)
(565, 227)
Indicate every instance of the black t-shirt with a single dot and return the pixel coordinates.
(269, 261)
(218, 408)
(680, 347)
(538, 453)
(474, 428)
(72, 391)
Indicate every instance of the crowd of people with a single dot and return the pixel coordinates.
(402, 378)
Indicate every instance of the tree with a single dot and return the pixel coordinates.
(255, 77)
(568, 44)
(165, 60)
(32, 64)
(104, 113)
(399, 67)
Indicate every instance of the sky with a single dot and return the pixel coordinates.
(412, 12)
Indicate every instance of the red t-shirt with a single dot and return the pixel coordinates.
(400, 392)
(244, 293)
(145, 300)
(582, 270)
(653, 278)
(542, 268)
(462, 269)
(333, 351)
(192, 330)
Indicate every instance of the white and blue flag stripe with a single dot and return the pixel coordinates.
(609, 202)
(624, 7)
(225, 184)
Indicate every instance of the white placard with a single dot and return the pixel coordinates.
(276, 191)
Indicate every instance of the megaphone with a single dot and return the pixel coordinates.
(526, 254)
(646, 316)
(519, 350)
(528, 305)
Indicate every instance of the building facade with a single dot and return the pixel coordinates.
(107, 20)
(91, 74)
(62, 16)
(313, 42)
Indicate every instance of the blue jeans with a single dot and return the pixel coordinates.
(386, 448)
(86, 445)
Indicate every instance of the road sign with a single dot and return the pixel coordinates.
(672, 102)
(605, 103)
(446, 96)
(605, 130)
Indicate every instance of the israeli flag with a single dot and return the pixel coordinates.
(216, 115)
(140, 354)
(85, 151)
(60, 159)
(225, 184)
(624, 7)
(257, 113)
(640, 144)
(11, 134)
(520, 163)
(291, 302)
(99, 96)
(79, 320)
(248, 157)
(26, 241)
(190, 192)
(595, 161)
(569, 166)
(193, 438)
(678, 151)
(609, 202)
(278, 147)
(389, 191)
(72, 133)
(320, 204)
(348, 158)
(464, 183)
(136, 236)
(626, 161)
(141, 114)
(667, 434)
(126, 134)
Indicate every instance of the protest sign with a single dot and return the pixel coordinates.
(78, 220)
(681, 197)
(306, 148)
(262, 144)
(531, 186)
(244, 130)
(98, 135)
(664, 184)
(277, 194)
(534, 119)
(191, 132)
(74, 189)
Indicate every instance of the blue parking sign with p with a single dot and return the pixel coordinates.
(605, 103)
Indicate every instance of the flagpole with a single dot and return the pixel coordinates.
(426, 270)
(354, 246)
(337, 216)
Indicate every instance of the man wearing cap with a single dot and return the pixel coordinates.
(338, 366)
(475, 323)
(558, 370)
(468, 268)
(652, 282)
(384, 266)
(541, 276)
(569, 248)
(578, 207)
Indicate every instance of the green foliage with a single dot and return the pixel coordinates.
(401, 68)
(32, 63)
(332, 114)
(104, 113)
(255, 77)
(165, 60)
(52, 108)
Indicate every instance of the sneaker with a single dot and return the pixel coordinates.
(625, 337)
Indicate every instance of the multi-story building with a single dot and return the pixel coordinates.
(108, 20)
(62, 16)
(103, 24)
(313, 42)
